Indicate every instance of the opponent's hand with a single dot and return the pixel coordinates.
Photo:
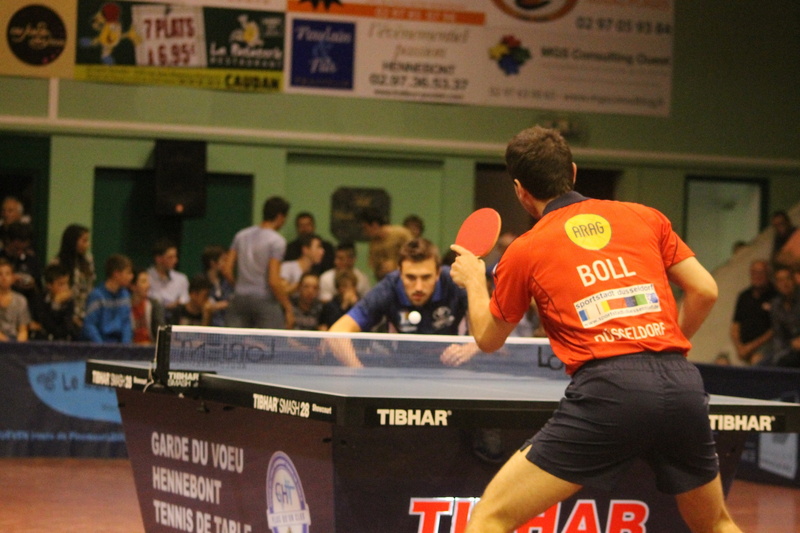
(458, 354)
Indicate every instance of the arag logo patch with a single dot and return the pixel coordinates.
(36, 35)
(588, 231)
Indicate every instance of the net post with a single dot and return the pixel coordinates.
(161, 372)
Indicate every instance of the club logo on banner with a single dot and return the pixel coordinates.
(323, 54)
(287, 509)
(36, 35)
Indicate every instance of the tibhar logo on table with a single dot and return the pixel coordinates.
(761, 423)
(413, 417)
(623, 516)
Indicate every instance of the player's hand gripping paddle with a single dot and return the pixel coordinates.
(479, 231)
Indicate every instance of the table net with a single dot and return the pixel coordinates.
(239, 349)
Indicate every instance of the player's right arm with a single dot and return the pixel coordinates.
(700, 293)
(469, 271)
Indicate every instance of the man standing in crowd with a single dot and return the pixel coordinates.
(253, 266)
(630, 396)
(385, 241)
(305, 224)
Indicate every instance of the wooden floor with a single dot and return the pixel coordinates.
(98, 496)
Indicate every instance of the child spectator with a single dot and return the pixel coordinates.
(108, 307)
(54, 310)
(14, 314)
(307, 307)
(147, 314)
(345, 298)
(221, 289)
(197, 311)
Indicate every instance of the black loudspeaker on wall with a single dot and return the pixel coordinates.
(180, 178)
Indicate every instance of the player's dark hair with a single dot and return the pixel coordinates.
(273, 207)
(418, 250)
(540, 159)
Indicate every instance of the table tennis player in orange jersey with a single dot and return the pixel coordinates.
(600, 273)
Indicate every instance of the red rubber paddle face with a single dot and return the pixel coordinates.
(479, 231)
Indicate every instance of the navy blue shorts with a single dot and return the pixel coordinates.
(651, 406)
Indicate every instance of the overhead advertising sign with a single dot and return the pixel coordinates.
(606, 56)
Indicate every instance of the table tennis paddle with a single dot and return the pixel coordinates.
(479, 231)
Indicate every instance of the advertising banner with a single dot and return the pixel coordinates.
(609, 56)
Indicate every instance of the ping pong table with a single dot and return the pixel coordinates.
(261, 430)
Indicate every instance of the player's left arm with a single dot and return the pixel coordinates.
(700, 293)
(469, 271)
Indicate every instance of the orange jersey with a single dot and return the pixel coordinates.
(597, 270)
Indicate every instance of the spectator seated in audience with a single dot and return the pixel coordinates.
(751, 329)
(311, 254)
(14, 313)
(147, 314)
(167, 285)
(108, 307)
(785, 321)
(11, 211)
(344, 259)
(197, 311)
(18, 250)
(54, 312)
(307, 307)
(213, 258)
(345, 298)
(74, 255)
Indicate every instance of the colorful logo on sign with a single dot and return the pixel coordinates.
(36, 35)
(509, 54)
(287, 509)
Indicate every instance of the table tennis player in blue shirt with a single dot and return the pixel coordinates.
(419, 297)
